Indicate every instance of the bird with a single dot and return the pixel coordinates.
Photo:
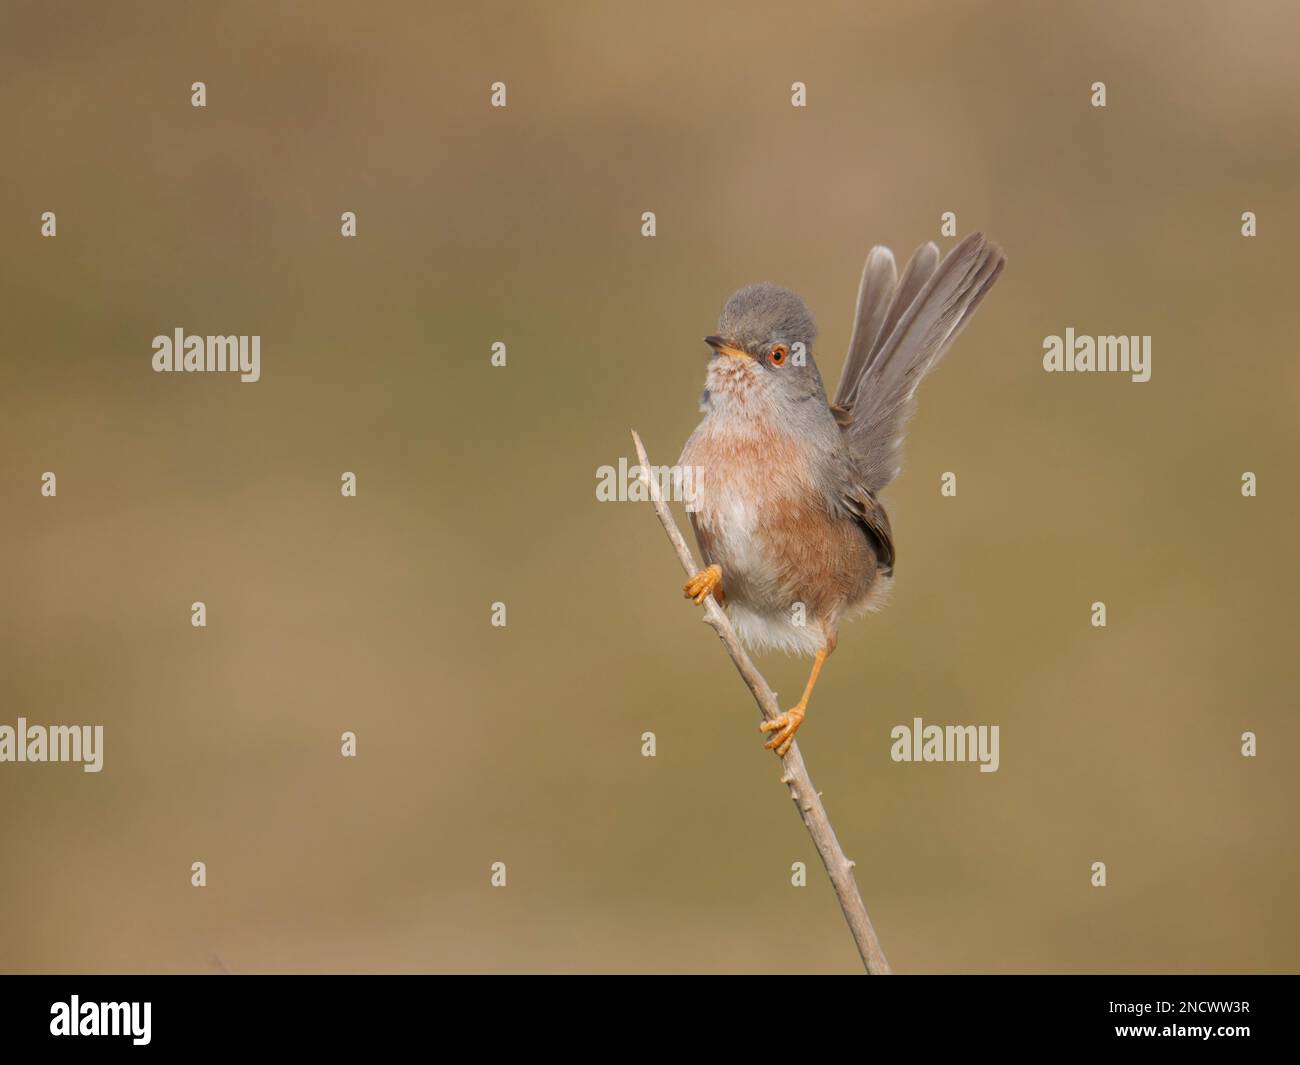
(786, 506)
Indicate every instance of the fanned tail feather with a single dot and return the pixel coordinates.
(903, 327)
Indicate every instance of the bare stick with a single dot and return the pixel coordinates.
(795, 777)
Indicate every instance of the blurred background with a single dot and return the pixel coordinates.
(477, 484)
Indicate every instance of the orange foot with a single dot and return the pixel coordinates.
(785, 727)
(705, 583)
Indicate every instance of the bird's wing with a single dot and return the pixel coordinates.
(927, 309)
(870, 515)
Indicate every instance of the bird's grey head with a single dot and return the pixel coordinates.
(763, 348)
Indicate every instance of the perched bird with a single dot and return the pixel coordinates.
(786, 513)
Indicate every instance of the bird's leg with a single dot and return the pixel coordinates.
(706, 582)
(788, 723)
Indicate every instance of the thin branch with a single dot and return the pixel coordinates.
(795, 777)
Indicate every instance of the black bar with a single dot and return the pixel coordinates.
(356, 1014)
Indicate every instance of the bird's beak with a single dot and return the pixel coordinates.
(722, 347)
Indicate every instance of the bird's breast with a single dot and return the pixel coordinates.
(748, 483)
(760, 514)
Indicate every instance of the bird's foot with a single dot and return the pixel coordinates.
(703, 584)
(785, 727)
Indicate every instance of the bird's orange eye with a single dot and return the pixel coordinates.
(777, 355)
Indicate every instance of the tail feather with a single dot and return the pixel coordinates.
(882, 299)
(928, 307)
(879, 280)
(920, 268)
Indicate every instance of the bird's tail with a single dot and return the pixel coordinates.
(903, 326)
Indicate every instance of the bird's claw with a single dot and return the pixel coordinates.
(785, 727)
(702, 585)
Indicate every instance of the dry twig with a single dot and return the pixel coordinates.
(808, 802)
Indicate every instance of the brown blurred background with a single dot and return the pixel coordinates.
(477, 484)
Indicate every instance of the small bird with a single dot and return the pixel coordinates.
(786, 512)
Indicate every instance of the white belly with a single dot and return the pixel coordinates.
(739, 506)
(765, 614)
